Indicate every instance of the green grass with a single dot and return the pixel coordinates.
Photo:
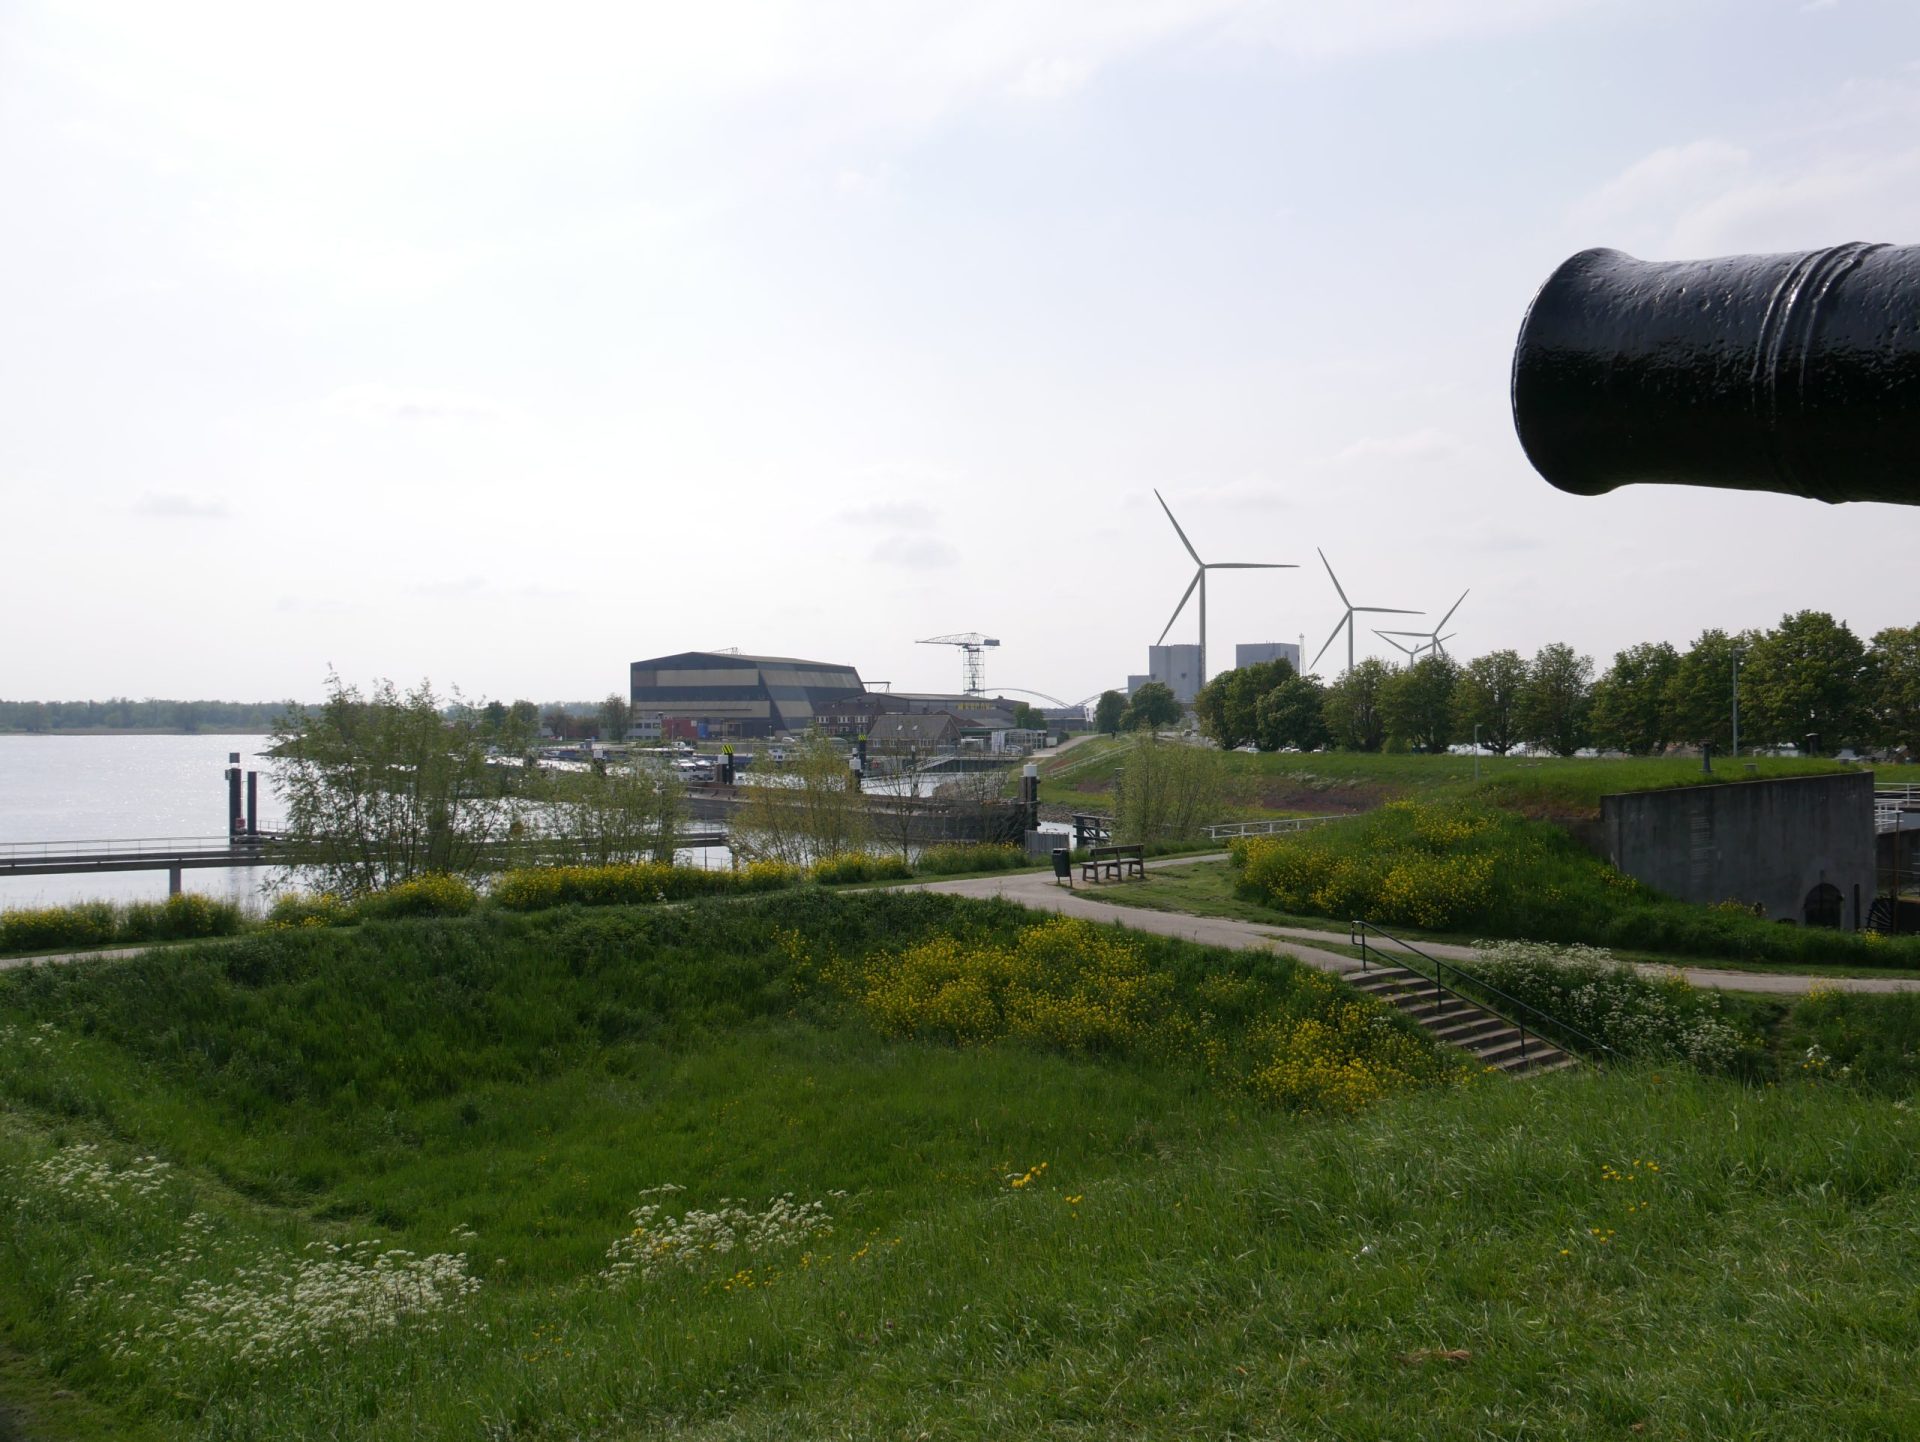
(1185, 1264)
(1211, 888)
(1465, 867)
(1281, 784)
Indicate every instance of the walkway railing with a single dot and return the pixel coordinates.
(1275, 826)
(1522, 1016)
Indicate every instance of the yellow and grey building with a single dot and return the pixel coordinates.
(729, 693)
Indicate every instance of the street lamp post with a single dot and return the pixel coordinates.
(1736, 704)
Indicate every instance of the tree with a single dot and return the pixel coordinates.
(1153, 706)
(1108, 712)
(1701, 691)
(1028, 717)
(616, 813)
(1352, 707)
(380, 788)
(1292, 714)
(1227, 704)
(1417, 703)
(1805, 678)
(615, 716)
(493, 717)
(1487, 699)
(1556, 711)
(820, 814)
(1167, 790)
(1892, 686)
(1633, 704)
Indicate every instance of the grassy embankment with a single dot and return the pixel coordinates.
(1465, 867)
(1026, 1236)
(1343, 782)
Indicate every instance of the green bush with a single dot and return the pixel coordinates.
(311, 908)
(103, 923)
(1461, 866)
(1636, 1017)
(179, 918)
(45, 928)
(953, 857)
(435, 894)
(638, 883)
(852, 866)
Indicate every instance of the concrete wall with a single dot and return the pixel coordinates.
(1769, 842)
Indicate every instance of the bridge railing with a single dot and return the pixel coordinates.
(1274, 826)
(123, 846)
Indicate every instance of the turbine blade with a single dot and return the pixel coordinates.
(1177, 531)
(1388, 610)
(1451, 609)
(1251, 566)
(1346, 620)
(1336, 583)
(1183, 603)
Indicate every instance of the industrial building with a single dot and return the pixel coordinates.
(1177, 668)
(728, 693)
(1261, 652)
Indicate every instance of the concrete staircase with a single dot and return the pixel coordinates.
(1493, 1040)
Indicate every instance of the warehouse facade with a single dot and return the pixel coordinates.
(728, 693)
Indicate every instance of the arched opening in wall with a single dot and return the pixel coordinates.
(1824, 905)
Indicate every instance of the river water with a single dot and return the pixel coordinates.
(122, 788)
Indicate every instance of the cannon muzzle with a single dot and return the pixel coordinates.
(1790, 373)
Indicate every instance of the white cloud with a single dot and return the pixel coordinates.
(172, 506)
(914, 551)
(1051, 79)
(1657, 184)
(389, 403)
(1425, 444)
(897, 515)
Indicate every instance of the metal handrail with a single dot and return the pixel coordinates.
(1271, 826)
(1357, 936)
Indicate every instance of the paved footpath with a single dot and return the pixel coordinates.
(1041, 892)
(1038, 890)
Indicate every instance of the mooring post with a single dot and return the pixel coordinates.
(235, 818)
(1030, 794)
(253, 803)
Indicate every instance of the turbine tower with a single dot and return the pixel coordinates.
(1200, 580)
(1347, 620)
(973, 648)
(1435, 641)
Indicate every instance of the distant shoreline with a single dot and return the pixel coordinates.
(145, 731)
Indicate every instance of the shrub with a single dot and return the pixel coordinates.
(852, 866)
(1291, 1037)
(1637, 1016)
(637, 883)
(435, 894)
(945, 860)
(311, 908)
(179, 918)
(1459, 866)
(101, 923)
(47, 928)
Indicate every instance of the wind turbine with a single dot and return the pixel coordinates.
(1410, 652)
(1200, 580)
(1435, 641)
(1347, 620)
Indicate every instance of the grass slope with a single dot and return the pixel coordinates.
(1448, 1264)
(1337, 782)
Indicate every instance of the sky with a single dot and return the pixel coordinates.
(505, 345)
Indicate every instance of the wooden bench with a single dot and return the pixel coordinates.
(1111, 863)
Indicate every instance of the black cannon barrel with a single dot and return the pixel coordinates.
(1793, 373)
